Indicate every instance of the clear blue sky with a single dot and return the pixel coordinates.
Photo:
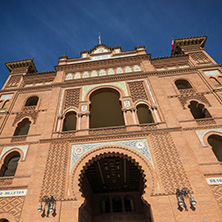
(47, 29)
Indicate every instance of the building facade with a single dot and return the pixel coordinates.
(113, 136)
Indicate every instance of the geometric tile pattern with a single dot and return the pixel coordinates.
(55, 171)
(137, 91)
(12, 205)
(169, 163)
(217, 191)
(72, 98)
(140, 145)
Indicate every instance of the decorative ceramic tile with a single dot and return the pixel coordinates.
(5, 97)
(139, 145)
(85, 75)
(23, 148)
(126, 103)
(111, 71)
(136, 68)
(83, 108)
(201, 133)
(212, 73)
(93, 73)
(69, 76)
(119, 70)
(128, 69)
(77, 75)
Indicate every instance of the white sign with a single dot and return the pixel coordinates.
(101, 57)
(214, 180)
(13, 193)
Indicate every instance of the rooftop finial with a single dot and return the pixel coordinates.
(99, 38)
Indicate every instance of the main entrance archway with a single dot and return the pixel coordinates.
(112, 185)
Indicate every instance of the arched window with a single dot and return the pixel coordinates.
(144, 114)
(69, 122)
(5, 104)
(9, 167)
(215, 81)
(183, 84)
(198, 110)
(216, 143)
(117, 204)
(105, 109)
(4, 220)
(32, 101)
(105, 205)
(128, 203)
(22, 128)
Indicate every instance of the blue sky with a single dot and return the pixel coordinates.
(47, 29)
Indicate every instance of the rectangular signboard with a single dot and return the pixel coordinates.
(13, 193)
(214, 180)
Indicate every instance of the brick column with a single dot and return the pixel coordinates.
(134, 115)
(60, 117)
(154, 108)
(79, 121)
(124, 116)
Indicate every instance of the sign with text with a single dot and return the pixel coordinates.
(214, 180)
(13, 193)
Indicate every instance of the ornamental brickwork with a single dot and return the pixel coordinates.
(55, 171)
(71, 98)
(99, 161)
(12, 205)
(137, 91)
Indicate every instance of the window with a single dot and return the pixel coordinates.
(215, 81)
(69, 121)
(5, 104)
(216, 143)
(144, 114)
(128, 203)
(183, 84)
(105, 205)
(32, 101)
(10, 164)
(198, 110)
(22, 128)
(4, 220)
(105, 109)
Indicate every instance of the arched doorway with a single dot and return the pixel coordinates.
(112, 185)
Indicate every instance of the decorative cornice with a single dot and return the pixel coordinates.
(129, 134)
(111, 78)
(21, 64)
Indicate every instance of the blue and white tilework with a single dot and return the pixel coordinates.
(139, 145)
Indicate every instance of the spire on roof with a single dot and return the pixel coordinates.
(99, 38)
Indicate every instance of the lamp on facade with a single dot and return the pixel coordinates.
(182, 195)
(50, 204)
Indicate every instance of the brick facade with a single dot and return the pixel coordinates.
(170, 153)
